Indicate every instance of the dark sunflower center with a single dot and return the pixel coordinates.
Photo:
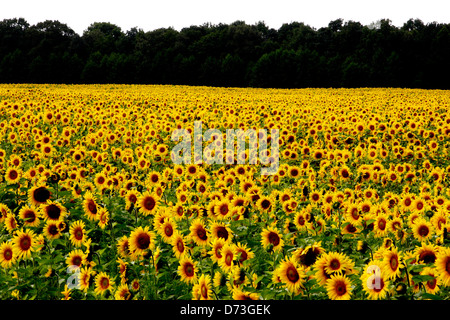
(7, 254)
(204, 291)
(292, 274)
(143, 241)
(53, 212)
(341, 288)
(432, 283)
(78, 234)
(149, 203)
(76, 261)
(242, 256)
(394, 262)
(189, 270)
(423, 231)
(222, 233)
(30, 216)
(309, 258)
(223, 209)
(168, 230)
(274, 238)
(301, 220)
(335, 264)
(53, 230)
(41, 194)
(228, 259)
(427, 257)
(104, 283)
(13, 174)
(132, 198)
(180, 246)
(265, 204)
(92, 207)
(201, 233)
(345, 174)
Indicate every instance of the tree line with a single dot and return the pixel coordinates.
(342, 54)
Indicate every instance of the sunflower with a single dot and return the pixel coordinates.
(243, 253)
(131, 198)
(13, 175)
(153, 179)
(426, 253)
(29, 215)
(265, 204)
(422, 229)
(76, 258)
(432, 285)
(4, 212)
(141, 239)
(103, 283)
(375, 285)
(103, 218)
(198, 232)
(10, 222)
(228, 252)
(90, 206)
(308, 256)
(178, 210)
(339, 287)
(204, 287)
(336, 262)
(345, 173)
(381, 225)
(192, 170)
(221, 230)
(122, 292)
(178, 245)
(291, 274)
(439, 220)
(301, 221)
(443, 265)
(353, 215)
(77, 233)
(123, 247)
(419, 205)
(53, 211)
(51, 230)
(216, 248)
(147, 203)
(237, 277)
(100, 180)
(238, 294)
(167, 229)
(7, 255)
(271, 239)
(219, 280)
(391, 263)
(24, 243)
(84, 278)
(222, 208)
(187, 270)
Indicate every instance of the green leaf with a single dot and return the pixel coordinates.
(427, 295)
(422, 278)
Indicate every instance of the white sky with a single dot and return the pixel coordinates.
(149, 15)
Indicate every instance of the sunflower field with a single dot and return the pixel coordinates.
(92, 207)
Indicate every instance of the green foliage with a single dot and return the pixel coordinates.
(237, 54)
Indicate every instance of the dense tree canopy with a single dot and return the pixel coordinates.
(343, 54)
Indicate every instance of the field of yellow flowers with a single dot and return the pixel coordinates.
(92, 207)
